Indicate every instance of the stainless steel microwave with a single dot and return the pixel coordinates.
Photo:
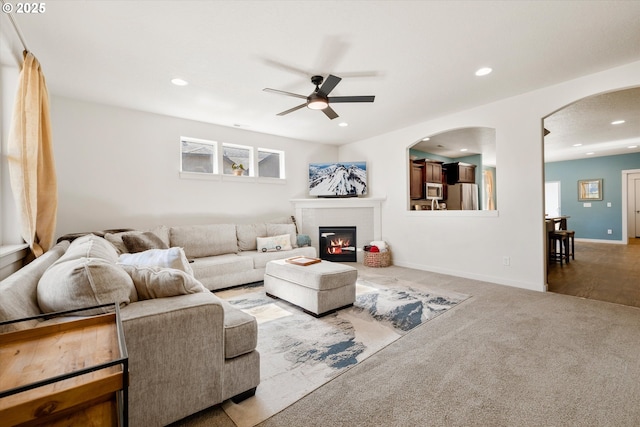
(433, 191)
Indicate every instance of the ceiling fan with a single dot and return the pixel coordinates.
(319, 98)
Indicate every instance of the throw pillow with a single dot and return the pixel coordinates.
(143, 242)
(84, 282)
(274, 243)
(167, 258)
(116, 240)
(280, 229)
(159, 282)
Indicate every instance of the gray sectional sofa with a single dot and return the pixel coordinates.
(188, 349)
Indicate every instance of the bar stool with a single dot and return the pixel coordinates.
(559, 239)
(570, 240)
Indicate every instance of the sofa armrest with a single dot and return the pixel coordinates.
(176, 356)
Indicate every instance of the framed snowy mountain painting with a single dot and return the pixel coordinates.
(338, 179)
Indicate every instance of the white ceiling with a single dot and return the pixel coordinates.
(417, 57)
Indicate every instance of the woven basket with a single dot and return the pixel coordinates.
(377, 259)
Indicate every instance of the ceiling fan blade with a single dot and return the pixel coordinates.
(329, 84)
(282, 92)
(286, 67)
(337, 99)
(330, 113)
(291, 110)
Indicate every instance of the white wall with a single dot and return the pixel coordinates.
(120, 168)
(10, 63)
(475, 247)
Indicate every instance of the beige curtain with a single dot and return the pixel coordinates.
(488, 182)
(30, 157)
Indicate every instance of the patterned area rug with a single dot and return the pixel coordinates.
(299, 353)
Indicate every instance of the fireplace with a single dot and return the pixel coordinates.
(338, 244)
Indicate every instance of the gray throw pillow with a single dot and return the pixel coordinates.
(141, 242)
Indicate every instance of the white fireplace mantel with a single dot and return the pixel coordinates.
(374, 206)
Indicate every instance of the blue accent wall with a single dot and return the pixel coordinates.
(593, 222)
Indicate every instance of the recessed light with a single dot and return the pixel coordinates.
(617, 122)
(179, 82)
(464, 149)
(483, 71)
(426, 139)
(590, 153)
(577, 145)
(632, 146)
(343, 124)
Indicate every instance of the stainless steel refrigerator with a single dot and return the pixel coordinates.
(462, 197)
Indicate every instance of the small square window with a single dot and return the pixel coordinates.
(198, 156)
(270, 163)
(236, 158)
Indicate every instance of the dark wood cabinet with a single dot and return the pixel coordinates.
(459, 172)
(433, 172)
(416, 182)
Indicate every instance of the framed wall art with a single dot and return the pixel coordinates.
(589, 190)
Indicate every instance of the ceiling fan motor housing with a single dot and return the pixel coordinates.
(317, 80)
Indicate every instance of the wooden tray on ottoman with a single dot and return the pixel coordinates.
(70, 373)
(303, 260)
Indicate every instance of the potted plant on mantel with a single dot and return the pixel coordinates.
(238, 169)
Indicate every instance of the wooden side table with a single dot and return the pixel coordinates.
(71, 373)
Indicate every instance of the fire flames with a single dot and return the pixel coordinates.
(336, 245)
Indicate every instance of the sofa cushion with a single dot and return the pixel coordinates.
(248, 233)
(18, 292)
(240, 331)
(143, 242)
(159, 282)
(86, 275)
(260, 259)
(280, 229)
(220, 265)
(205, 240)
(162, 231)
(274, 243)
(166, 258)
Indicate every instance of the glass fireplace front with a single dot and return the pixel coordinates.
(338, 244)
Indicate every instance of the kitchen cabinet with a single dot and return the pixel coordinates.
(416, 182)
(459, 172)
(433, 172)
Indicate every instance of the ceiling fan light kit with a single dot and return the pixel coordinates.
(316, 102)
(319, 99)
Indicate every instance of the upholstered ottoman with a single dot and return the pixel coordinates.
(318, 288)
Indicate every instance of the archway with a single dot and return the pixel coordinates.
(594, 139)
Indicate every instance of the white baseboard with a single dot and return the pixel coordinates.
(613, 242)
(491, 279)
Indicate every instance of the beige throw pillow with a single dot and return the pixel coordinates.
(280, 229)
(159, 282)
(86, 275)
(274, 243)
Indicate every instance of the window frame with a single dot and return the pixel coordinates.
(280, 153)
(252, 163)
(214, 160)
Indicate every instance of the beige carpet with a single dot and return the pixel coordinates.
(506, 357)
